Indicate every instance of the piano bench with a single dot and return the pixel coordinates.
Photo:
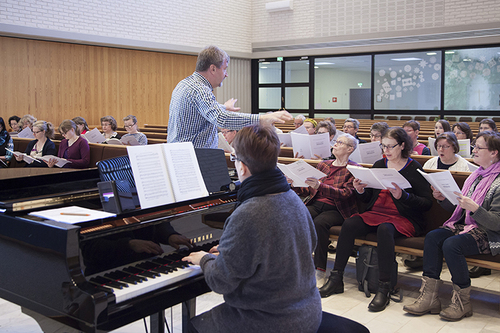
(332, 323)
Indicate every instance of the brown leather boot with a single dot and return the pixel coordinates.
(460, 305)
(428, 300)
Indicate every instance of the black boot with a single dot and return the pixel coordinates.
(382, 298)
(334, 285)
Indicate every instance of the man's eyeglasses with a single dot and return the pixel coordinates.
(375, 135)
(383, 147)
(348, 126)
(129, 126)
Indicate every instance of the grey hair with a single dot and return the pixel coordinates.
(211, 55)
(352, 120)
(301, 117)
(354, 141)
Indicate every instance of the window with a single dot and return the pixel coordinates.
(269, 72)
(342, 83)
(472, 79)
(408, 81)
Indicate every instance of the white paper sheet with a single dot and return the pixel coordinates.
(299, 171)
(67, 214)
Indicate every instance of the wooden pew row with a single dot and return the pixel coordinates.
(98, 151)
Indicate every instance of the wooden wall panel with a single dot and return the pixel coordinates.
(55, 81)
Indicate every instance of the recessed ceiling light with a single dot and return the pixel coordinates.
(449, 52)
(406, 59)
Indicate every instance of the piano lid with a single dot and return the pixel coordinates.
(36, 188)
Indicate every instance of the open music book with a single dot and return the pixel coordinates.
(464, 145)
(26, 133)
(60, 161)
(26, 158)
(299, 171)
(367, 153)
(223, 144)
(94, 136)
(166, 173)
(310, 145)
(444, 182)
(380, 178)
(126, 140)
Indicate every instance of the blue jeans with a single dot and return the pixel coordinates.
(441, 243)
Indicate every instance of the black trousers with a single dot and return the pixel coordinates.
(355, 227)
(324, 217)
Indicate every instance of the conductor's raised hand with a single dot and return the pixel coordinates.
(275, 117)
(396, 191)
(437, 195)
(230, 105)
(359, 186)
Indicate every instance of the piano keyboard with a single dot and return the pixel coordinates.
(139, 278)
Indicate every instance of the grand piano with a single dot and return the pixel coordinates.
(42, 266)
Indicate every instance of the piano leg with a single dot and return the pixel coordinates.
(157, 322)
(188, 312)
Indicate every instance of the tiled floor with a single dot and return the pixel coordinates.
(351, 304)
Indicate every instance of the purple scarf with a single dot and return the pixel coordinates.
(478, 195)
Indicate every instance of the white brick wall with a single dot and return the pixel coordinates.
(235, 24)
(460, 12)
(193, 23)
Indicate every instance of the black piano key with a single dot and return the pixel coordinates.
(139, 272)
(152, 267)
(107, 282)
(122, 276)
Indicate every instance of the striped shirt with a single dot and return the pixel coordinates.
(195, 114)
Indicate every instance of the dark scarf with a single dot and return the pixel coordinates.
(267, 182)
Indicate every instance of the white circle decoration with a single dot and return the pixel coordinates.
(407, 68)
(381, 72)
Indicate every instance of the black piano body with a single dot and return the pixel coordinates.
(41, 267)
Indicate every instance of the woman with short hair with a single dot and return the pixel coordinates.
(447, 148)
(109, 126)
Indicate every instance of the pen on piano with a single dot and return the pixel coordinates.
(75, 214)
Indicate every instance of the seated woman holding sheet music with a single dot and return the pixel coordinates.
(474, 228)
(130, 124)
(447, 147)
(391, 213)
(330, 200)
(42, 145)
(462, 131)
(109, 127)
(73, 147)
